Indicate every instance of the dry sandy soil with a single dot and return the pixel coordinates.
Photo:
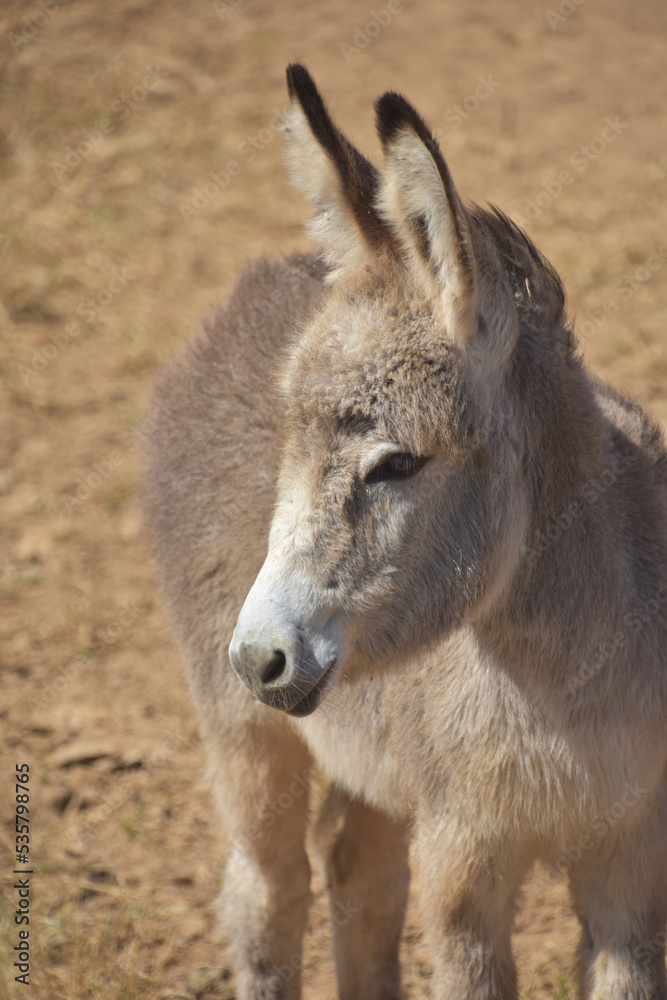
(102, 274)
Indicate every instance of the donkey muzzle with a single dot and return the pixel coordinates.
(284, 648)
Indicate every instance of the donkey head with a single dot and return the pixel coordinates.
(400, 510)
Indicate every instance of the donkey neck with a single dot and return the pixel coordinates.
(573, 578)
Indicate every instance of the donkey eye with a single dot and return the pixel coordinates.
(401, 465)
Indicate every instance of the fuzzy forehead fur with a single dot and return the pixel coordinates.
(375, 356)
(379, 354)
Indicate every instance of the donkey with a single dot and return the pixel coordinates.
(383, 488)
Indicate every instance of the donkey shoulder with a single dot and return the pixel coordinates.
(632, 428)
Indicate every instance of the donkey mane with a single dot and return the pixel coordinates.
(538, 291)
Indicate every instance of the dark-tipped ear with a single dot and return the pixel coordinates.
(333, 174)
(419, 201)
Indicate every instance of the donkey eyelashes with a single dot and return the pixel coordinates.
(400, 465)
(386, 463)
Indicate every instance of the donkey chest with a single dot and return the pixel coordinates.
(352, 742)
(451, 738)
(453, 733)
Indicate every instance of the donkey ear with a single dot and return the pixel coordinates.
(420, 203)
(333, 175)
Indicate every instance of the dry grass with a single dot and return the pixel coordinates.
(101, 276)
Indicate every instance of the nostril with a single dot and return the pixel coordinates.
(275, 668)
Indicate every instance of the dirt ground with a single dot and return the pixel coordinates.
(114, 238)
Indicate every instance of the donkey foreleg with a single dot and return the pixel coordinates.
(619, 889)
(364, 857)
(468, 892)
(262, 795)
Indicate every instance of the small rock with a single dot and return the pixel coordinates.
(128, 759)
(60, 799)
(87, 799)
(34, 544)
(81, 752)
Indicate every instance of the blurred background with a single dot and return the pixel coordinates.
(140, 168)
